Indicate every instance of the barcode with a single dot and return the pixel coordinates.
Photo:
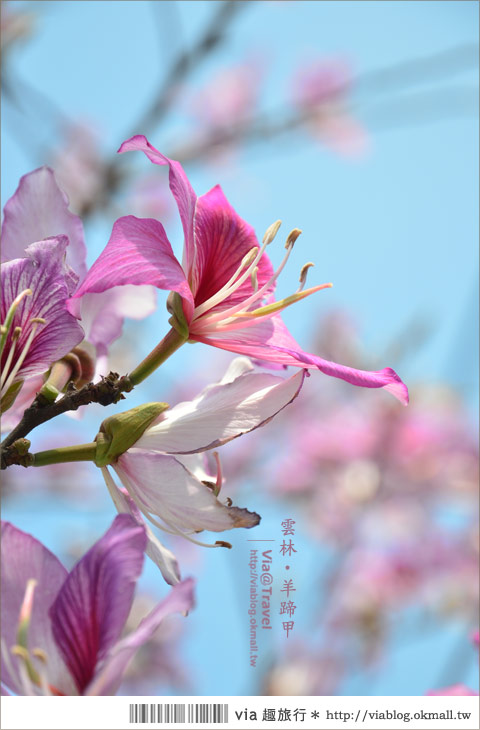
(168, 713)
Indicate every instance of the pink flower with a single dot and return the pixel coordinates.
(320, 90)
(226, 281)
(44, 253)
(456, 690)
(230, 96)
(78, 165)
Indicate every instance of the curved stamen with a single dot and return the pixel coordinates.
(10, 315)
(231, 286)
(13, 344)
(243, 306)
(220, 295)
(233, 283)
(254, 279)
(219, 482)
(303, 275)
(246, 319)
(34, 322)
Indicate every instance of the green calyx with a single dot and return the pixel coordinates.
(120, 432)
(177, 320)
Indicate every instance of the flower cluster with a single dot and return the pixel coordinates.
(393, 493)
(62, 631)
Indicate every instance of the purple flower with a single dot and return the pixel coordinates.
(226, 281)
(37, 329)
(44, 258)
(60, 630)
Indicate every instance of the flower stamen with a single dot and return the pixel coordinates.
(227, 315)
(303, 275)
(254, 279)
(13, 344)
(35, 321)
(250, 260)
(10, 315)
(219, 481)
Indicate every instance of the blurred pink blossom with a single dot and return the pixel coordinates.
(320, 89)
(456, 690)
(78, 165)
(230, 96)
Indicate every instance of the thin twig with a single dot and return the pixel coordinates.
(107, 391)
(215, 33)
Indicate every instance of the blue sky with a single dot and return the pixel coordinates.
(396, 231)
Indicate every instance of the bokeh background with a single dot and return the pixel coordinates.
(358, 123)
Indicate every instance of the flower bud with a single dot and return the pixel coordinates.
(120, 432)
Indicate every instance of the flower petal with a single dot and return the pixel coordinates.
(181, 189)
(222, 239)
(167, 489)
(138, 252)
(43, 271)
(221, 413)
(109, 675)
(93, 604)
(270, 340)
(102, 314)
(163, 558)
(386, 378)
(39, 209)
(23, 558)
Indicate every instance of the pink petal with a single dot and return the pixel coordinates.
(167, 489)
(109, 675)
(92, 606)
(222, 239)
(22, 558)
(37, 210)
(181, 189)
(138, 252)
(386, 378)
(343, 134)
(269, 340)
(222, 412)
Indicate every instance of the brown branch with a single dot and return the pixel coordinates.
(108, 390)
